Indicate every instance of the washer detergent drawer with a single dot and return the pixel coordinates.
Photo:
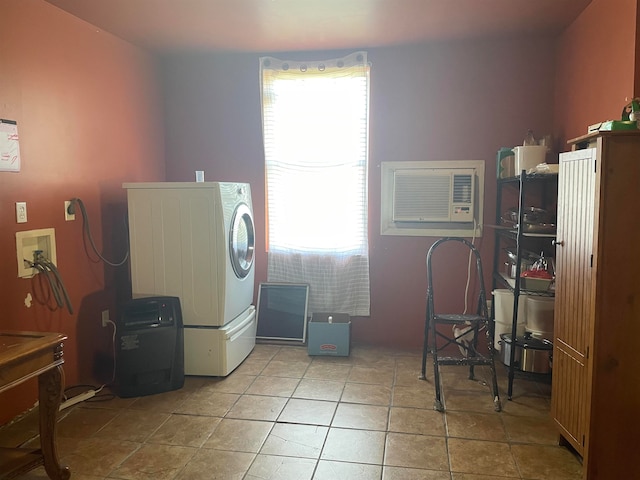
(218, 351)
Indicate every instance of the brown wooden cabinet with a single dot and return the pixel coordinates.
(596, 357)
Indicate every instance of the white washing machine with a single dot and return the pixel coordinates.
(196, 241)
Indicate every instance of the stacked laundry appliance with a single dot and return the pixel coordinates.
(196, 241)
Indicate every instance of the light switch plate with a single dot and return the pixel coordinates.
(21, 212)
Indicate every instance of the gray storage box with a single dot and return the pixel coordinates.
(329, 334)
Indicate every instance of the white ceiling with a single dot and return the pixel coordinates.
(290, 25)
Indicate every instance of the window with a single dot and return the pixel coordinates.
(315, 127)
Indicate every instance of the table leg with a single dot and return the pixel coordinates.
(50, 384)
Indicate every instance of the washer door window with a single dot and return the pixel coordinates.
(242, 241)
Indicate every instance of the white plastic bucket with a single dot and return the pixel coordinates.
(540, 313)
(503, 303)
(529, 157)
(503, 306)
(505, 327)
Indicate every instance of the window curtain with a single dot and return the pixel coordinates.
(315, 129)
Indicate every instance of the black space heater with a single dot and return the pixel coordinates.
(149, 347)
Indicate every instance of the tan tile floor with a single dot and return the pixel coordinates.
(283, 415)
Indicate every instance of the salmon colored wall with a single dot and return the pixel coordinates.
(455, 101)
(596, 67)
(89, 116)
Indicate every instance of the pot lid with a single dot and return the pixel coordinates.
(527, 341)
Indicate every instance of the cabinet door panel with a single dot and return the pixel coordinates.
(569, 407)
(574, 299)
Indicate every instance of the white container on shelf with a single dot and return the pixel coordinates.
(503, 302)
(529, 156)
(505, 327)
(503, 306)
(540, 313)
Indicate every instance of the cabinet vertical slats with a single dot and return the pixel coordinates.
(596, 379)
(576, 191)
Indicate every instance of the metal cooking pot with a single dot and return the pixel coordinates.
(510, 267)
(531, 354)
(505, 350)
(529, 215)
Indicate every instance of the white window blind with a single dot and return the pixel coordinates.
(315, 127)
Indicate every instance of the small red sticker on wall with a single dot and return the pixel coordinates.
(328, 346)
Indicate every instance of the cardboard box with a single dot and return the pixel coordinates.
(329, 334)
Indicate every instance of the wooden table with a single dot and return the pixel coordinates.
(24, 355)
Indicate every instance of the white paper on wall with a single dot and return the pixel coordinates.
(9, 146)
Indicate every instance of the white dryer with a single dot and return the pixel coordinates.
(196, 241)
(238, 248)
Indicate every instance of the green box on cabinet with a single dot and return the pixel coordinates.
(329, 334)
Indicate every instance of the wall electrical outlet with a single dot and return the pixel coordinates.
(68, 216)
(105, 318)
(21, 212)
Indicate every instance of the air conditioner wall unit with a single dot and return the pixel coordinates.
(444, 195)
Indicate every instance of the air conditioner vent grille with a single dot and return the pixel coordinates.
(433, 195)
(421, 197)
(462, 189)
